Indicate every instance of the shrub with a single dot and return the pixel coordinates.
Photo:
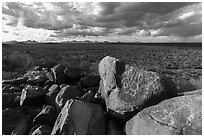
(18, 63)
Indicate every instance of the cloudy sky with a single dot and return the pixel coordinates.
(112, 21)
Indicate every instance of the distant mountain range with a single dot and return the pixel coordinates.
(87, 41)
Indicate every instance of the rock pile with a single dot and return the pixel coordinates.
(122, 99)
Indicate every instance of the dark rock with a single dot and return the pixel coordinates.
(47, 116)
(11, 89)
(72, 73)
(48, 83)
(16, 101)
(18, 81)
(90, 81)
(81, 118)
(42, 130)
(66, 93)
(58, 73)
(13, 122)
(33, 96)
(6, 89)
(115, 128)
(16, 89)
(7, 100)
(51, 95)
(89, 96)
(176, 116)
(63, 85)
(127, 89)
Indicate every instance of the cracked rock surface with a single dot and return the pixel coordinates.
(180, 115)
(128, 89)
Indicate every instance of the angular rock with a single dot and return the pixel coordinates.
(50, 76)
(176, 116)
(58, 73)
(90, 81)
(13, 122)
(129, 89)
(11, 89)
(89, 96)
(6, 89)
(18, 81)
(42, 130)
(51, 95)
(66, 93)
(72, 73)
(16, 101)
(48, 84)
(16, 89)
(47, 116)
(63, 85)
(33, 96)
(81, 118)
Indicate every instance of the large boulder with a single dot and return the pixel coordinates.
(33, 96)
(66, 93)
(179, 115)
(58, 74)
(42, 130)
(14, 122)
(129, 89)
(47, 116)
(81, 118)
(90, 81)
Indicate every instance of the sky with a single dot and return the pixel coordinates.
(102, 21)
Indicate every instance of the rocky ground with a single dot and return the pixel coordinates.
(122, 99)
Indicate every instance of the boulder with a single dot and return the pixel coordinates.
(33, 96)
(177, 116)
(66, 93)
(16, 101)
(127, 89)
(58, 73)
(51, 95)
(11, 89)
(48, 83)
(90, 81)
(13, 122)
(63, 85)
(81, 118)
(47, 116)
(18, 81)
(89, 96)
(72, 75)
(42, 130)
(6, 88)
(16, 89)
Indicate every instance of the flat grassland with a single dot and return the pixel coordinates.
(182, 62)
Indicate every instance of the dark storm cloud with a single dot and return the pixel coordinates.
(35, 17)
(126, 18)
